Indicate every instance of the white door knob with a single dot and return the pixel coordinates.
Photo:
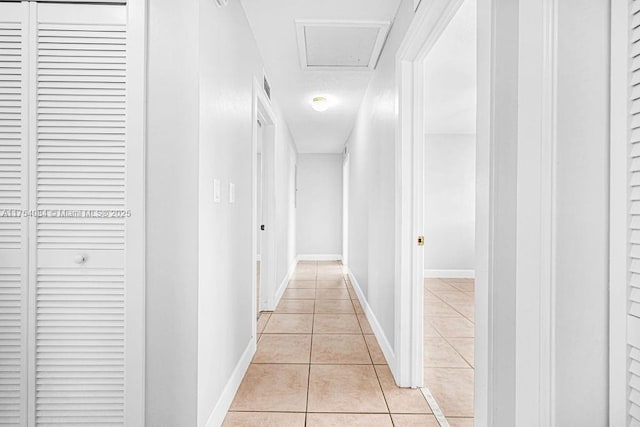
(80, 259)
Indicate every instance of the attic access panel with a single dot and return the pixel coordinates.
(340, 45)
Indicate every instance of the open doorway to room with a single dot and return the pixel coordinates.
(449, 217)
(436, 209)
(259, 212)
(264, 207)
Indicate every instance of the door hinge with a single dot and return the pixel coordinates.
(420, 240)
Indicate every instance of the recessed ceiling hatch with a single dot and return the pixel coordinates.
(340, 45)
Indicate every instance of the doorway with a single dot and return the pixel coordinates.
(435, 318)
(264, 131)
(449, 217)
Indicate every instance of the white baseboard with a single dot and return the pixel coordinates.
(224, 402)
(387, 348)
(283, 284)
(320, 257)
(450, 274)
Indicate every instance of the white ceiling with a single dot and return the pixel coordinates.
(451, 76)
(274, 26)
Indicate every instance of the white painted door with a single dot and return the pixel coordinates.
(13, 225)
(67, 336)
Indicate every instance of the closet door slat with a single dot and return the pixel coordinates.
(80, 173)
(13, 226)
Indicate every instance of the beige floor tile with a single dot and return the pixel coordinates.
(452, 388)
(339, 350)
(439, 309)
(429, 330)
(329, 306)
(345, 388)
(301, 284)
(330, 275)
(293, 306)
(285, 348)
(467, 309)
(332, 294)
(331, 284)
(414, 420)
(348, 420)
(289, 324)
(299, 294)
(262, 321)
(374, 350)
(454, 327)
(438, 285)
(465, 347)
(455, 296)
(364, 324)
(264, 419)
(336, 324)
(460, 422)
(357, 306)
(273, 388)
(304, 275)
(464, 285)
(352, 293)
(438, 353)
(401, 400)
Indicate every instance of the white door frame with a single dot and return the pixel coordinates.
(428, 25)
(262, 109)
(345, 210)
(618, 247)
(136, 202)
(534, 314)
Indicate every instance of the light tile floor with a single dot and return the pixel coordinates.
(318, 364)
(448, 347)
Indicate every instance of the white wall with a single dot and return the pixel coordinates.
(450, 180)
(582, 249)
(372, 182)
(229, 60)
(548, 235)
(319, 216)
(199, 255)
(172, 215)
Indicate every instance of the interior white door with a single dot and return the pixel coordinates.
(13, 224)
(78, 180)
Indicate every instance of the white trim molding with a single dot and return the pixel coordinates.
(283, 285)
(618, 244)
(231, 388)
(536, 212)
(262, 109)
(450, 274)
(384, 343)
(320, 257)
(136, 201)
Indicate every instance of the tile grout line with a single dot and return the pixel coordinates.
(373, 366)
(435, 408)
(313, 320)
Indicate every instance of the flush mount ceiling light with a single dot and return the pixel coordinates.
(320, 103)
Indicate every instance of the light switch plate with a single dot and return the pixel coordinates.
(216, 191)
(232, 192)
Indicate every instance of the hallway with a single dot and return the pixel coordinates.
(319, 364)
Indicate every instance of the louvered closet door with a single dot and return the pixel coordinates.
(13, 227)
(633, 315)
(79, 179)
